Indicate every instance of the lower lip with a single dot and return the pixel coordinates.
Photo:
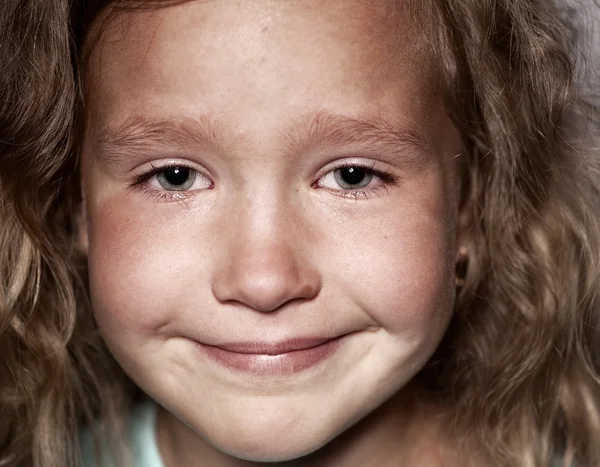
(273, 365)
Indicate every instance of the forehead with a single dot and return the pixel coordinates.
(215, 57)
(379, 24)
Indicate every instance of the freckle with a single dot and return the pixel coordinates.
(265, 29)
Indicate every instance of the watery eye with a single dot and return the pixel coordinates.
(176, 178)
(353, 177)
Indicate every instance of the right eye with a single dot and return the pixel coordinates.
(176, 178)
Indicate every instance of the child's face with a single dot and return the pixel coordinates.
(263, 102)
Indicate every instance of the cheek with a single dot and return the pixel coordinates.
(401, 269)
(136, 262)
(415, 268)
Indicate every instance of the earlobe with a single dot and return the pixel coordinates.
(464, 226)
(464, 241)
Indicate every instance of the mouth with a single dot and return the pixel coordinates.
(273, 358)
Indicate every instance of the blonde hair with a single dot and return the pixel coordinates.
(519, 366)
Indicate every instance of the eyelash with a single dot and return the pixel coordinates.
(140, 183)
(385, 180)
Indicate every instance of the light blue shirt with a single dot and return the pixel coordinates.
(143, 440)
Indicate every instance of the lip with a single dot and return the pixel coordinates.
(273, 358)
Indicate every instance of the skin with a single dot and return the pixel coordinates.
(266, 245)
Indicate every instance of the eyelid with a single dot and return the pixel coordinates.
(141, 181)
(386, 179)
(387, 176)
(156, 167)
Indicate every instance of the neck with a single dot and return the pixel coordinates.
(400, 429)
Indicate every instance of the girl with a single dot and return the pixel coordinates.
(337, 233)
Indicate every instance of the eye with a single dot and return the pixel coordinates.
(171, 180)
(353, 177)
(356, 179)
(176, 178)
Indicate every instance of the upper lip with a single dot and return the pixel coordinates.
(274, 348)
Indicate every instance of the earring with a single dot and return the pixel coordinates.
(461, 267)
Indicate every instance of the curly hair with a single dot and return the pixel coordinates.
(519, 366)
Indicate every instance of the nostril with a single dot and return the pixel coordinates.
(266, 291)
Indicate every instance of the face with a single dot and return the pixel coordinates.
(272, 205)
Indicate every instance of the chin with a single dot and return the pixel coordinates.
(266, 451)
(264, 445)
(269, 454)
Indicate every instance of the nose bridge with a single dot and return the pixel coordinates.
(266, 237)
(267, 219)
(265, 263)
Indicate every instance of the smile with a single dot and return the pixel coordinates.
(273, 359)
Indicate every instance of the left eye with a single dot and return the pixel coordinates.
(348, 178)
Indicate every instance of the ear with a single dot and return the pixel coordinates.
(464, 223)
(463, 234)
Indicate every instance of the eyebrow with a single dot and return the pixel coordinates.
(373, 133)
(139, 135)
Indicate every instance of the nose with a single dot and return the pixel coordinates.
(265, 270)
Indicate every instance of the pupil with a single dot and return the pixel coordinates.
(352, 175)
(177, 175)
